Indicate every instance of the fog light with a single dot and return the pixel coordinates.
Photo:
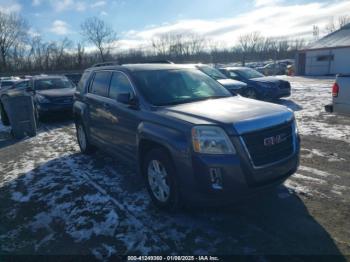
(216, 178)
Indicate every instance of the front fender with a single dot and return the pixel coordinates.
(176, 141)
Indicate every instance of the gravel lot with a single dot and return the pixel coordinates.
(53, 200)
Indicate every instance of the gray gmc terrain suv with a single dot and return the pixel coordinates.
(191, 139)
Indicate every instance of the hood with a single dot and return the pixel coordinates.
(244, 114)
(230, 83)
(266, 79)
(57, 92)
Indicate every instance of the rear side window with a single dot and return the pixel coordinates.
(100, 83)
(119, 84)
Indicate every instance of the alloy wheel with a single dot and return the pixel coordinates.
(157, 179)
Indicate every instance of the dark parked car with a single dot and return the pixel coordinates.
(272, 69)
(17, 86)
(51, 94)
(234, 86)
(259, 86)
(7, 82)
(191, 139)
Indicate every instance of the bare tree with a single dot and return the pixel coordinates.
(343, 20)
(330, 27)
(316, 32)
(80, 55)
(248, 44)
(100, 34)
(13, 30)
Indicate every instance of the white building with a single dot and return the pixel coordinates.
(327, 56)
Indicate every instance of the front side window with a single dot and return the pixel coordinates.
(119, 84)
(170, 87)
(52, 83)
(100, 83)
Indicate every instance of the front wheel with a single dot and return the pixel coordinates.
(161, 179)
(85, 146)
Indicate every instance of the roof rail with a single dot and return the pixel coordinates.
(106, 64)
(153, 62)
(159, 62)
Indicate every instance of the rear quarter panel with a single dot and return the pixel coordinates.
(341, 103)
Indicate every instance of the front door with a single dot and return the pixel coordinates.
(124, 121)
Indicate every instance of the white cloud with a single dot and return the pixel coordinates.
(98, 4)
(33, 33)
(36, 2)
(64, 5)
(60, 27)
(103, 13)
(8, 7)
(260, 3)
(278, 20)
(80, 6)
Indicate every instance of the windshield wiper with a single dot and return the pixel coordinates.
(192, 100)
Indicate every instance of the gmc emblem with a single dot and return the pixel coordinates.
(274, 140)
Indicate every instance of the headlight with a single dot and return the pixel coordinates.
(211, 140)
(42, 99)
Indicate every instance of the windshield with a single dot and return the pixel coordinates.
(7, 83)
(53, 83)
(249, 73)
(212, 72)
(171, 87)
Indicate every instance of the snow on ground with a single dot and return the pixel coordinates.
(309, 96)
(56, 201)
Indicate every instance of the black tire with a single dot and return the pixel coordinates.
(4, 118)
(83, 142)
(172, 202)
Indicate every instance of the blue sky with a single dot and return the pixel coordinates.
(137, 21)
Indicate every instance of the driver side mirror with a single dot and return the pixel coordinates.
(126, 98)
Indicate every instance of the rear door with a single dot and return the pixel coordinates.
(124, 119)
(97, 100)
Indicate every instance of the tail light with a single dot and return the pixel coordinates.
(335, 90)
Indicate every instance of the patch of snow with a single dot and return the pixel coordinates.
(315, 171)
(309, 178)
(331, 157)
(309, 96)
